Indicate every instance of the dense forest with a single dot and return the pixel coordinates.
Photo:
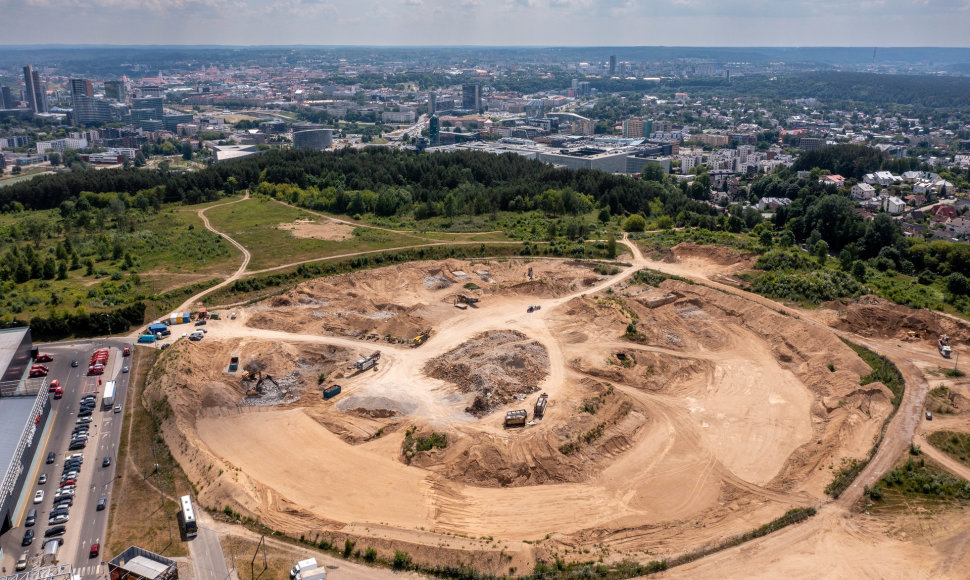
(346, 180)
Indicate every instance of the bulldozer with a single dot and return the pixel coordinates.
(462, 299)
(421, 338)
(914, 334)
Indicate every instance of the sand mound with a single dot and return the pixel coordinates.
(715, 254)
(498, 367)
(874, 316)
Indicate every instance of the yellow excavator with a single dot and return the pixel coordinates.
(421, 338)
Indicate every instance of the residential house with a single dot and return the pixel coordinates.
(833, 180)
(881, 178)
(958, 227)
(862, 191)
(893, 205)
(941, 213)
(915, 200)
(772, 203)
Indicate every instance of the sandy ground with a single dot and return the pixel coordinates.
(325, 230)
(723, 415)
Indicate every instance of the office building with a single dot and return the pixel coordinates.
(432, 103)
(81, 88)
(115, 90)
(171, 122)
(612, 64)
(471, 97)
(61, 145)
(153, 104)
(6, 99)
(313, 139)
(36, 92)
(434, 131)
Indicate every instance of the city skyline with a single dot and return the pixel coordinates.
(496, 23)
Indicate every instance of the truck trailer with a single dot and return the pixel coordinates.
(109, 394)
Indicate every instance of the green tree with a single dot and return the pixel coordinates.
(54, 158)
(635, 223)
(611, 245)
(187, 151)
(821, 251)
(957, 284)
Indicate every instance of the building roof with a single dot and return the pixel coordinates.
(14, 414)
(10, 339)
(145, 567)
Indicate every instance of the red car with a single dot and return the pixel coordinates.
(58, 393)
(35, 366)
(52, 386)
(37, 373)
(96, 370)
(95, 550)
(44, 358)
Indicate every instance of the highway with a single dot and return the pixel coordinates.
(86, 525)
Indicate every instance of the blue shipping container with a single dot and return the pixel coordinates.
(155, 328)
(331, 392)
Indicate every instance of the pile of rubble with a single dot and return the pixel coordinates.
(497, 367)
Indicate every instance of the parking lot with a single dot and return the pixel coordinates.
(70, 475)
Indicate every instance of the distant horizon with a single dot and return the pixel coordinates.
(523, 46)
(487, 23)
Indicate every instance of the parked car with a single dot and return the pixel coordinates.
(39, 496)
(21, 563)
(44, 357)
(28, 538)
(59, 519)
(200, 323)
(83, 420)
(55, 531)
(75, 445)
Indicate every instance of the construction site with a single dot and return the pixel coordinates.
(556, 411)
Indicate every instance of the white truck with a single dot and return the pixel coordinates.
(313, 574)
(109, 394)
(302, 566)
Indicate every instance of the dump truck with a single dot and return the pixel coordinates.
(421, 338)
(367, 362)
(462, 299)
(516, 418)
(943, 344)
(540, 408)
(331, 392)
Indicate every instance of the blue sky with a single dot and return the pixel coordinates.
(491, 22)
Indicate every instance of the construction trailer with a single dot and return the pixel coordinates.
(516, 418)
(203, 313)
(367, 362)
(540, 408)
(421, 338)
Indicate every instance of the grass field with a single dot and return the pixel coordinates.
(143, 508)
(254, 223)
(956, 445)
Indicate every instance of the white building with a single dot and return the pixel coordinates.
(61, 145)
(862, 191)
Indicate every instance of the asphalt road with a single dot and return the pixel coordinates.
(86, 526)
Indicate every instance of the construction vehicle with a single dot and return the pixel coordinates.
(253, 375)
(331, 392)
(367, 362)
(516, 418)
(203, 314)
(462, 299)
(540, 408)
(421, 338)
(943, 344)
(914, 334)
(533, 308)
(214, 316)
(257, 390)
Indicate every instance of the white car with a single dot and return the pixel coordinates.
(39, 496)
(58, 520)
(64, 492)
(83, 420)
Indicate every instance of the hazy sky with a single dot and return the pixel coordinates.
(491, 22)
